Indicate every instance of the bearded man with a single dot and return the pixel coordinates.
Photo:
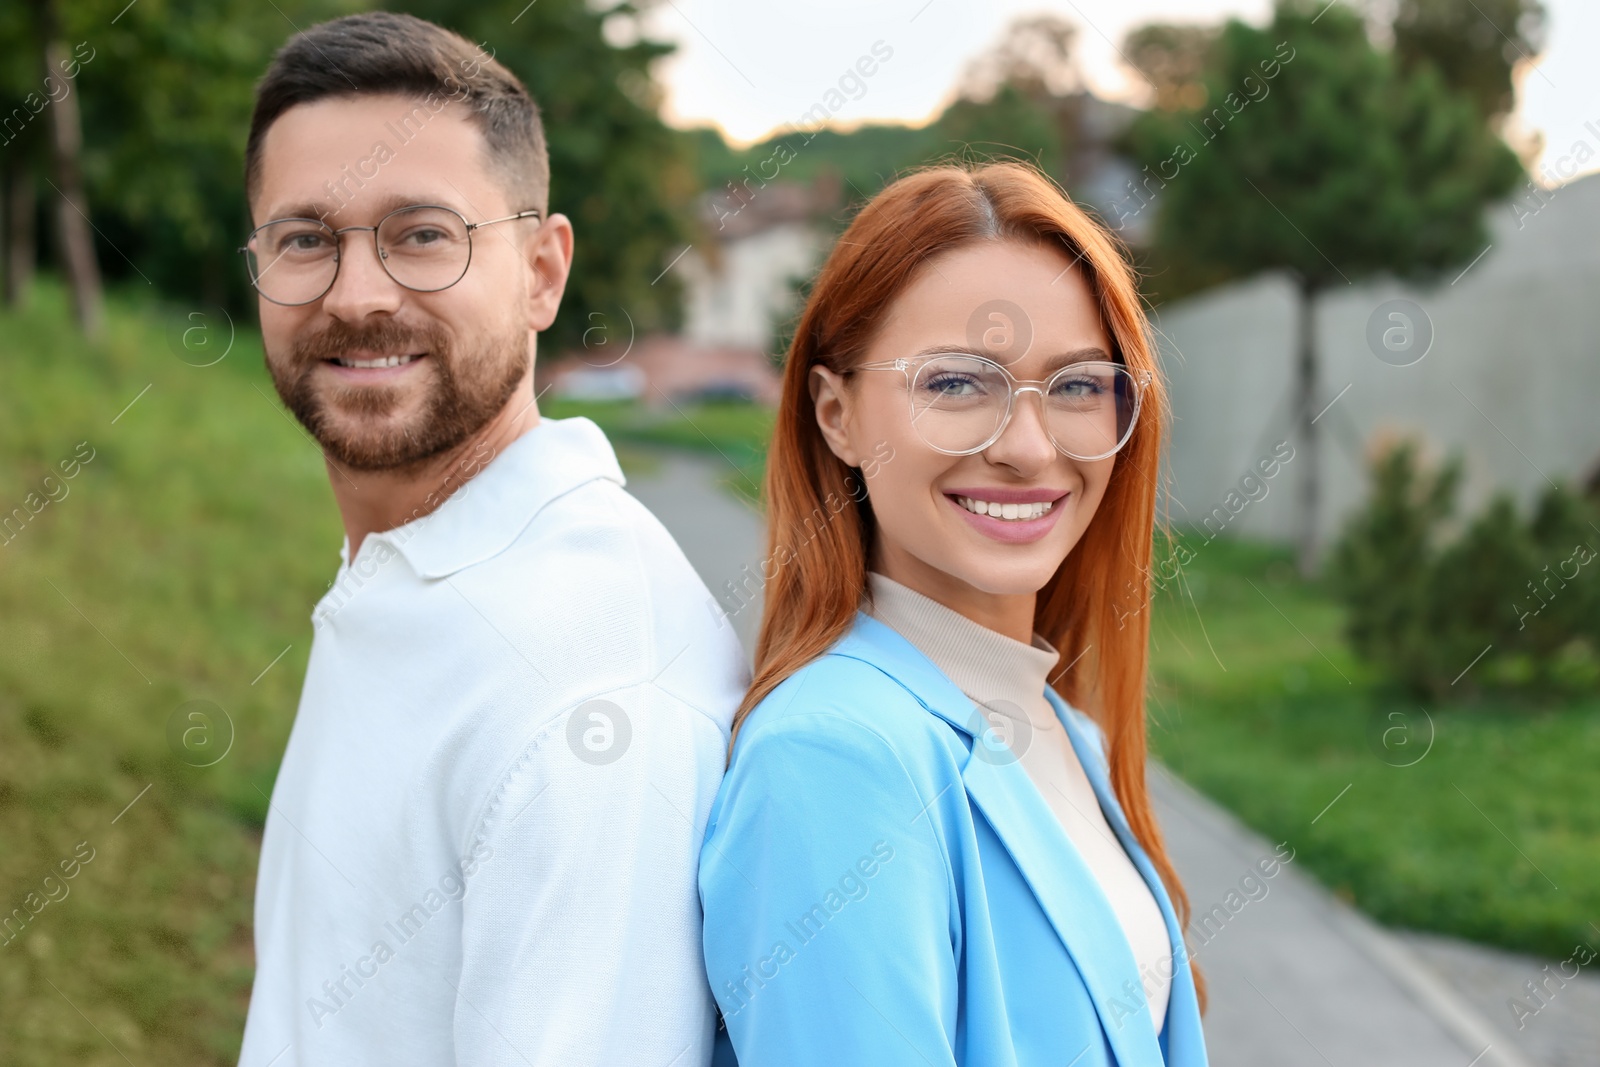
(481, 845)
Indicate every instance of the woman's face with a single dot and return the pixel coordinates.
(1031, 309)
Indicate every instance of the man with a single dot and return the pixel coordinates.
(481, 846)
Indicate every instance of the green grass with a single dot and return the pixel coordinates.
(1492, 833)
(189, 552)
(184, 557)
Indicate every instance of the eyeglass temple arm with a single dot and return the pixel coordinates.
(530, 213)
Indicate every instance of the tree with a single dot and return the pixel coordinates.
(616, 169)
(1173, 58)
(1018, 98)
(66, 151)
(164, 94)
(17, 205)
(55, 68)
(1475, 47)
(166, 101)
(1318, 155)
(1034, 56)
(1009, 124)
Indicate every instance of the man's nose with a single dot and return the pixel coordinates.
(362, 286)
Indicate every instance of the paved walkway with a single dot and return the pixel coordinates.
(722, 538)
(1563, 1029)
(1295, 975)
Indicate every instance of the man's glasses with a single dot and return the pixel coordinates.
(425, 248)
(961, 403)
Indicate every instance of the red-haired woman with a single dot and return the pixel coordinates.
(923, 852)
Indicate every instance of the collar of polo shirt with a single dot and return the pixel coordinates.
(486, 512)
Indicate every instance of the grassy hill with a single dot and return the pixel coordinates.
(182, 559)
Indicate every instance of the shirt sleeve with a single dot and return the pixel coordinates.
(581, 932)
(829, 931)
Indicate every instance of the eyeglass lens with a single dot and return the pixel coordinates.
(293, 261)
(958, 403)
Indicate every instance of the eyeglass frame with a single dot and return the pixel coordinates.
(1017, 385)
(383, 259)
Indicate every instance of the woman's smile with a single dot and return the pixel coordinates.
(1010, 521)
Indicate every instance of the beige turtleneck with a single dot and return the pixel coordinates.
(1005, 677)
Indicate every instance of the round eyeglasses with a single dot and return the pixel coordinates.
(961, 402)
(425, 247)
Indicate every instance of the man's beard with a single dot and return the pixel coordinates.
(469, 389)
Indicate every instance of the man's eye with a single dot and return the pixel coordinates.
(304, 242)
(423, 237)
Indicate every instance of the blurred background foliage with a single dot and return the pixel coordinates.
(1306, 119)
(166, 102)
(166, 96)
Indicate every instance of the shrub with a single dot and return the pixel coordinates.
(1516, 601)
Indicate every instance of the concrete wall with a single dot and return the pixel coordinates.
(1511, 381)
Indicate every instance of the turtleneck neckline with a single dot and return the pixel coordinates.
(995, 671)
(992, 669)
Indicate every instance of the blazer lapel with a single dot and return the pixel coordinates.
(1065, 887)
(1181, 1040)
(1069, 895)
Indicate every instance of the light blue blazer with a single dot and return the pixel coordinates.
(883, 887)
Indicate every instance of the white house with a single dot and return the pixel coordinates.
(760, 241)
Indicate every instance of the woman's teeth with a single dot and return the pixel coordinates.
(372, 364)
(1016, 512)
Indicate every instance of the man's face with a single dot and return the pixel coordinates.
(462, 351)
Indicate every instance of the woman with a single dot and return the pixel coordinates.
(922, 853)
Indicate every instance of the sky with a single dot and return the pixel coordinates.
(751, 66)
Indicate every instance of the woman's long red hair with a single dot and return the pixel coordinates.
(1095, 609)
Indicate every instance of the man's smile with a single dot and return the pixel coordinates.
(361, 365)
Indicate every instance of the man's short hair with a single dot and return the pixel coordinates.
(382, 52)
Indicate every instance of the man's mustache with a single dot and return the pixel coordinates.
(388, 338)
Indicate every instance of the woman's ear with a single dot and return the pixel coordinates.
(832, 401)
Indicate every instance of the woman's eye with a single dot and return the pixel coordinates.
(1079, 387)
(950, 384)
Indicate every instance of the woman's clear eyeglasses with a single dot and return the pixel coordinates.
(961, 402)
(424, 247)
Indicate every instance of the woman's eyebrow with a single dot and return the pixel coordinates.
(1078, 355)
(1062, 359)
